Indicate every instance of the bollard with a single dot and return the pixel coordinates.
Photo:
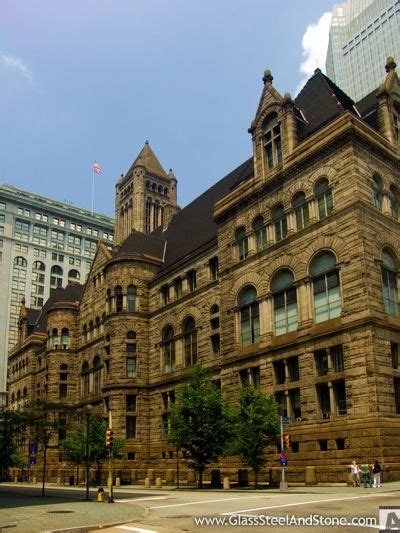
(150, 474)
(16, 479)
(227, 484)
(34, 480)
(147, 483)
(311, 476)
(169, 476)
(100, 494)
(58, 481)
(117, 481)
(158, 483)
(191, 477)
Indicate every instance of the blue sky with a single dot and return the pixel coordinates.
(93, 79)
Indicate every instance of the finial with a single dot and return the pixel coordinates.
(267, 78)
(122, 175)
(317, 71)
(287, 98)
(147, 142)
(170, 170)
(23, 301)
(390, 64)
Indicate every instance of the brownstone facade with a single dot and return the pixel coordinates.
(283, 274)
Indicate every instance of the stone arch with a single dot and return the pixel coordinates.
(385, 241)
(191, 310)
(329, 244)
(289, 262)
(272, 108)
(384, 174)
(248, 278)
(327, 171)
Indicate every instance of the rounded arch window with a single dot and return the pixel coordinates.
(154, 186)
(394, 202)
(272, 140)
(168, 349)
(148, 185)
(249, 316)
(118, 298)
(131, 335)
(85, 378)
(20, 261)
(74, 274)
(260, 232)
(54, 338)
(65, 338)
(326, 287)
(39, 265)
(131, 299)
(285, 302)
(280, 222)
(165, 191)
(57, 270)
(63, 367)
(389, 280)
(214, 309)
(242, 243)
(300, 207)
(190, 341)
(323, 193)
(160, 189)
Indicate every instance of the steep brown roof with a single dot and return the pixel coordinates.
(148, 159)
(141, 245)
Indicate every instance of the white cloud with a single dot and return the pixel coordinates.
(315, 45)
(17, 64)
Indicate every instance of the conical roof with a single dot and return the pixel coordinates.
(148, 159)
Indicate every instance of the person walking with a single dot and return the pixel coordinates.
(366, 475)
(355, 476)
(376, 472)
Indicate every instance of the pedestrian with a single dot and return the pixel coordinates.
(376, 472)
(355, 476)
(366, 475)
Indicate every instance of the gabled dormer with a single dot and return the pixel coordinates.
(273, 129)
(388, 96)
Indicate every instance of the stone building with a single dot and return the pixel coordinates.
(283, 274)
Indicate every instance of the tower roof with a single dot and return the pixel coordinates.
(148, 159)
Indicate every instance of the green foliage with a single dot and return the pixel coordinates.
(200, 420)
(256, 425)
(74, 446)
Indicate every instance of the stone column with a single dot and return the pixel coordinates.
(291, 221)
(252, 243)
(313, 208)
(332, 399)
(386, 204)
(270, 233)
(287, 399)
(269, 316)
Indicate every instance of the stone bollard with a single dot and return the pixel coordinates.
(227, 484)
(58, 481)
(310, 475)
(117, 481)
(150, 474)
(34, 480)
(169, 476)
(147, 483)
(191, 477)
(133, 474)
(16, 479)
(158, 483)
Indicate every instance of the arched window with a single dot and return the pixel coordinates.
(118, 298)
(90, 331)
(323, 193)
(215, 330)
(242, 243)
(168, 342)
(394, 202)
(131, 299)
(96, 374)
(65, 338)
(280, 222)
(285, 302)
(272, 140)
(389, 280)
(326, 287)
(249, 316)
(148, 215)
(85, 379)
(190, 341)
(108, 301)
(20, 261)
(260, 233)
(300, 207)
(377, 195)
(73, 274)
(54, 339)
(56, 276)
(84, 333)
(131, 342)
(38, 265)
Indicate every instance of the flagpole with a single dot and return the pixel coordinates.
(93, 189)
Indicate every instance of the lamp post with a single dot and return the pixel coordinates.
(87, 409)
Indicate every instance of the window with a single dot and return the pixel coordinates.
(41, 216)
(177, 288)
(394, 351)
(396, 385)
(285, 302)
(56, 276)
(57, 235)
(260, 233)
(165, 294)
(300, 207)
(85, 378)
(118, 299)
(131, 299)
(131, 342)
(280, 222)
(38, 265)
(249, 316)
(2, 218)
(190, 341)
(59, 222)
(2, 206)
(73, 274)
(65, 338)
(23, 211)
(337, 358)
(168, 343)
(324, 400)
(324, 198)
(394, 202)
(279, 370)
(293, 368)
(272, 141)
(39, 253)
(250, 376)
(294, 399)
(242, 242)
(191, 276)
(339, 390)
(377, 195)
(215, 332)
(131, 402)
(131, 367)
(131, 427)
(97, 374)
(321, 362)
(41, 231)
(213, 268)
(389, 281)
(326, 287)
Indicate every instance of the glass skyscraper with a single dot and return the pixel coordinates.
(362, 35)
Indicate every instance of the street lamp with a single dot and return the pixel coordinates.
(87, 409)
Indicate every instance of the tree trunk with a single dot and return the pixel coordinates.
(77, 474)
(201, 469)
(44, 468)
(256, 479)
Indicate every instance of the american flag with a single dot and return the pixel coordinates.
(96, 168)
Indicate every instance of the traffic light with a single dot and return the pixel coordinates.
(287, 441)
(109, 438)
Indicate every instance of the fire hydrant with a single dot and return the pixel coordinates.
(100, 494)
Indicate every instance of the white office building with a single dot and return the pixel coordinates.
(44, 244)
(362, 35)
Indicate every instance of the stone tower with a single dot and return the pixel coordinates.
(145, 197)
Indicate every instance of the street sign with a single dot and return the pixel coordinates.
(32, 460)
(283, 459)
(286, 420)
(32, 448)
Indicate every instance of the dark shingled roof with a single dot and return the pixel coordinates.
(367, 107)
(141, 245)
(321, 101)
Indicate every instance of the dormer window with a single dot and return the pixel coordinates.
(272, 141)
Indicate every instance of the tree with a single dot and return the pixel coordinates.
(200, 421)
(74, 449)
(11, 425)
(256, 425)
